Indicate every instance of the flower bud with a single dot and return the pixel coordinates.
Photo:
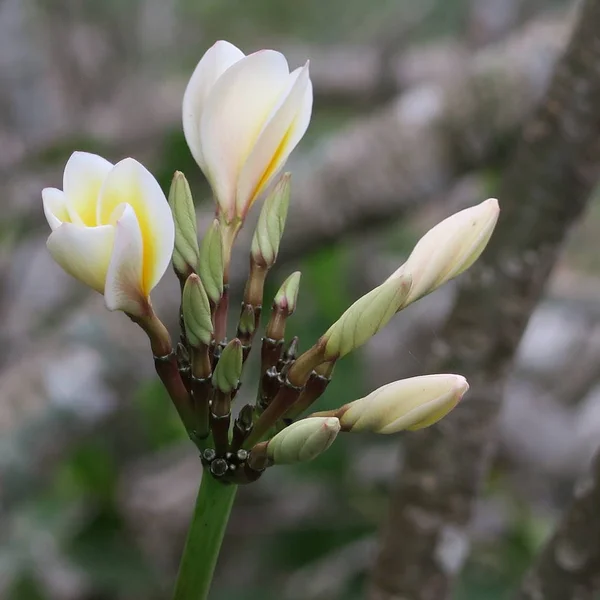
(196, 312)
(247, 323)
(406, 404)
(450, 248)
(303, 441)
(228, 371)
(284, 305)
(210, 264)
(366, 317)
(286, 298)
(185, 254)
(269, 230)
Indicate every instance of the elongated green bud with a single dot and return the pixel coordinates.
(366, 317)
(303, 441)
(196, 312)
(185, 253)
(271, 222)
(406, 404)
(211, 264)
(450, 248)
(228, 371)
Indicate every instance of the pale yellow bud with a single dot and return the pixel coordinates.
(450, 248)
(366, 316)
(303, 441)
(406, 404)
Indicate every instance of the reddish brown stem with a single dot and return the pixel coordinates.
(201, 390)
(221, 316)
(303, 366)
(168, 371)
(315, 387)
(255, 285)
(269, 353)
(220, 419)
(285, 398)
(277, 322)
(165, 362)
(243, 427)
(269, 386)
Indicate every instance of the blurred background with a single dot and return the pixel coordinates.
(97, 480)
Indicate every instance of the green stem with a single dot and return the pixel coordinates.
(205, 535)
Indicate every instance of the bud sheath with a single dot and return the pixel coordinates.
(366, 317)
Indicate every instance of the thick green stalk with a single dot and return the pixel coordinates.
(205, 535)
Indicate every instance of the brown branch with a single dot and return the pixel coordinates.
(543, 192)
(569, 564)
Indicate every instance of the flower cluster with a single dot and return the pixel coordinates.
(114, 229)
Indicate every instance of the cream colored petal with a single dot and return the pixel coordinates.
(279, 137)
(83, 252)
(55, 207)
(83, 177)
(124, 285)
(449, 248)
(485, 220)
(234, 115)
(217, 59)
(131, 183)
(406, 404)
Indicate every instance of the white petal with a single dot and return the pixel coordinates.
(450, 247)
(131, 183)
(83, 177)
(83, 252)
(279, 137)
(124, 285)
(235, 113)
(217, 59)
(406, 404)
(55, 207)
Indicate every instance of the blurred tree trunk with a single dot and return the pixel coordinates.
(569, 565)
(545, 189)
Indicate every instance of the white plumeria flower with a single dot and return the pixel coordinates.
(449, 248)
(406, 404)
(242, 117)
(112, 229)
